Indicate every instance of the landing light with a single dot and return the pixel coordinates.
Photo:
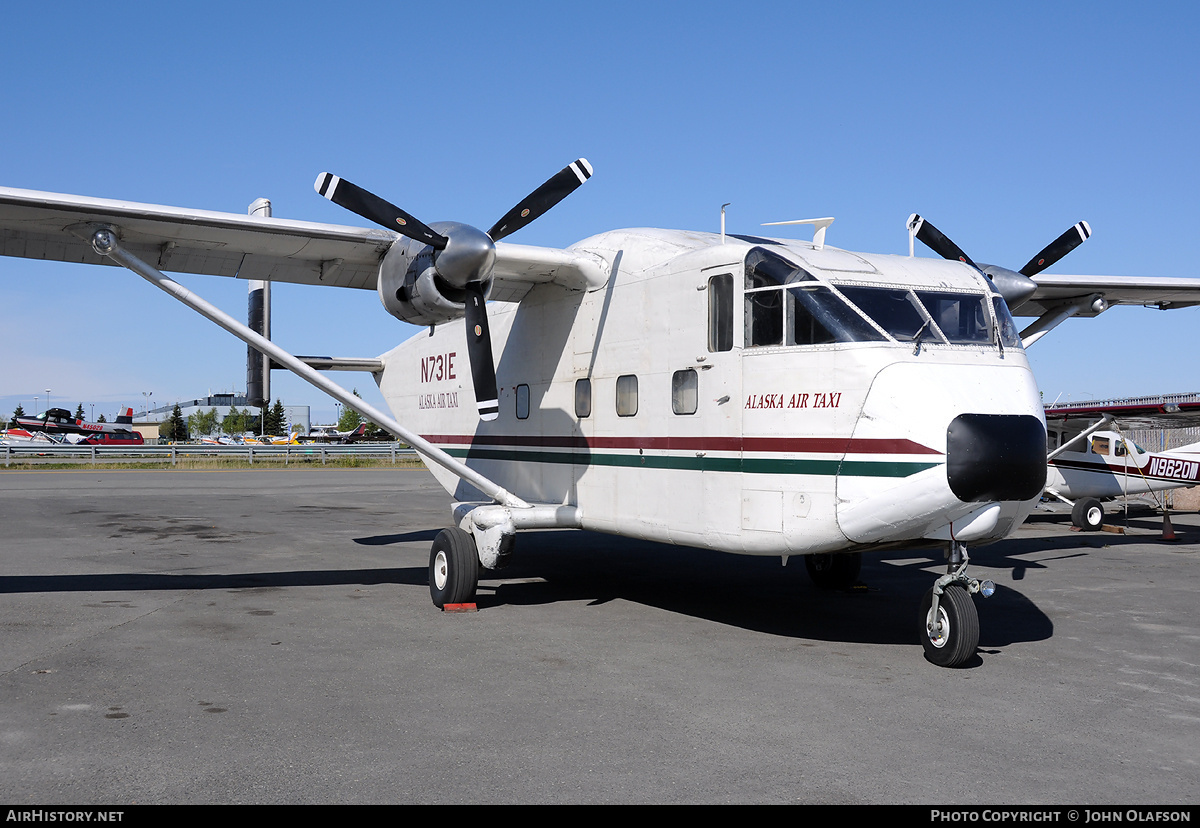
(987, 588)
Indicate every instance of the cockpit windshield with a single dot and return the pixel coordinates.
(787, 305)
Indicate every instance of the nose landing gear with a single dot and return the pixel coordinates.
(949, 623)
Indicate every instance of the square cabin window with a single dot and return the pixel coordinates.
(627, 395)
(685, 386)
(583, 398)
(522, 402)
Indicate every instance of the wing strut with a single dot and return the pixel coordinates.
(104, 241)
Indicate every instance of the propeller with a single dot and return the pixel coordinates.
(1058, 248)
(373, 208)
(1014, 286)
(464, 256)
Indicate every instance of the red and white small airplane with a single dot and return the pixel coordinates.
(60, 422)
(1090, 463)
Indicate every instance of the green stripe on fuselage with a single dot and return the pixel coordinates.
(749, 465)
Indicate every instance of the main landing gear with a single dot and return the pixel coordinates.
(949, 623)
(1087, 514)
(453, 568)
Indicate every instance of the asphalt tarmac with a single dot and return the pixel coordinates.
(266, 636)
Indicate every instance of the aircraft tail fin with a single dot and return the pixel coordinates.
(127, 417)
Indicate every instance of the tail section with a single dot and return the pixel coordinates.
(126, 418)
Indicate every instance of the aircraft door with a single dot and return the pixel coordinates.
(703, 418)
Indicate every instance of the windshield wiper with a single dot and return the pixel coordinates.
(918, 335)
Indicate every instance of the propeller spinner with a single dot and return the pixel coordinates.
(464, 256)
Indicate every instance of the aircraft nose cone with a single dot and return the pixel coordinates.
(995, 457)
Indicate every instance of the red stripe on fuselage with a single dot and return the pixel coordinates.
(778, 445)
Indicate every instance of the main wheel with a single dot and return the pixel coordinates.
(951, 637)
(1087, 514)
(453, 568)
(834, 571)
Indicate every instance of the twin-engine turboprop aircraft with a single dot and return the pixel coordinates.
(745, 394)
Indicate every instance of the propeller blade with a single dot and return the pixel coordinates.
(373, 208)
(479, 350)
(1058, 248)
(560, 185)
(937, 241)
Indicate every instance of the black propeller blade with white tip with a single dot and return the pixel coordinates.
(464, 257)
(373, 208)
(1014, 287)
(479, 350)
(1058, 248)
(937, 241)
(558, 187)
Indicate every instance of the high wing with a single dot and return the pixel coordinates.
(1055, 290)
(57, 227)
(1166, 411)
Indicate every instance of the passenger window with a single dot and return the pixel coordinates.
(1100, 445)
(522, 402)
(684, 391)
(583, 398)
(720, 313)
(627, 395)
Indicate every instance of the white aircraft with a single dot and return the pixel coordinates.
(1089, 463)
(751, 395)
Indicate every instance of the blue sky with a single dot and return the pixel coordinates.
(1002, 123)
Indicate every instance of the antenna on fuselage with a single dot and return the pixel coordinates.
(819, 225)
(723, 206)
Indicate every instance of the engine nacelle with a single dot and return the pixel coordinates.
(410, 286)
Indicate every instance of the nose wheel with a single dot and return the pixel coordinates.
(948, 620)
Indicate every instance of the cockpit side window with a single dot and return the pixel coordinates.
(787, 305)
(1006, 326)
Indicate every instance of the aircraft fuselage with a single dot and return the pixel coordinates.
(707, 396)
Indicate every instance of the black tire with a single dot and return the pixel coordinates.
(956, 641)
(453, 568)
(1087, 514)
(834, 571)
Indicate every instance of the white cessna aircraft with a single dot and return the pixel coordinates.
(1089, 463)
(750, 395)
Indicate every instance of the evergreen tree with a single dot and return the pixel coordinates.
(101, 419)
(17, 412)
(79, 415)
(276, 420)
(174, 428)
